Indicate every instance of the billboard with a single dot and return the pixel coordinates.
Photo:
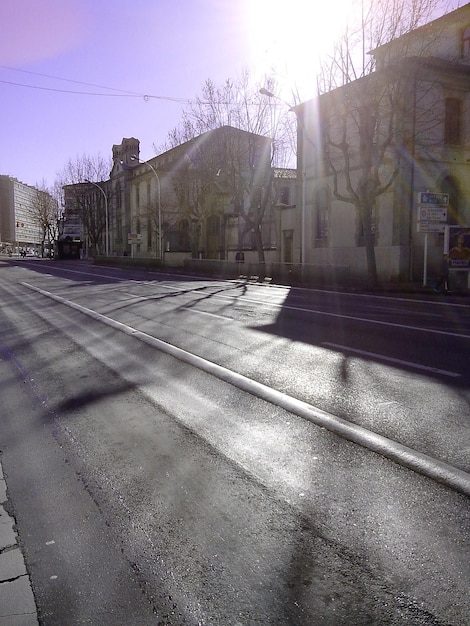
(459, 247)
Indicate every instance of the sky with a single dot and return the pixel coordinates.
(77, 76)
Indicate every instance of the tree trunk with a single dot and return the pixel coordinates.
(369, 243)
(259, 244)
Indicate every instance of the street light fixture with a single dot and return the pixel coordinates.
(106, 209)
(265, 92)
(136, 158)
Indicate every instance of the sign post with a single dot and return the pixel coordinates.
(133, 239)
(432, 218)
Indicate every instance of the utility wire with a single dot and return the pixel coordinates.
(122, 93)
(67, 80)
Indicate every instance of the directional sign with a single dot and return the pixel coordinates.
(433, 199)
(432, 214)
(431, 227)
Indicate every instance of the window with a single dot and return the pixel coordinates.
(213, 225)
(183, 235)
(285, 195)
(149, 234)
(452, 121)
(322, 214)
(466, 42)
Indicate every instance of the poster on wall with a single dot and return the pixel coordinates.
(459, 247)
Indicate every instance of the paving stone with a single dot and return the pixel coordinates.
(20, 620)
(7, 533)
(3, 488)
(11, 564)
(16, 598)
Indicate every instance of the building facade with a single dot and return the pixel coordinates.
(210, 197)
(213, 197)
(368, 149)
(21, 207)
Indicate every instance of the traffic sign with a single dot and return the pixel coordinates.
(431, 227)
(432, 214)
(434, 199)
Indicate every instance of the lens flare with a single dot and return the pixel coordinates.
(286, 40)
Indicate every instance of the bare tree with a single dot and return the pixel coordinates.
(364, 98)
(46, 211)
(85, 176)
(242, 166)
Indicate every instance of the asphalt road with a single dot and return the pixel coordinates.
(149, 492)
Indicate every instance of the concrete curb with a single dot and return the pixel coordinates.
(17, 603)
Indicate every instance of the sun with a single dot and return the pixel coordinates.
(287, 39)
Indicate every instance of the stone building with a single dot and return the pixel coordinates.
(200, 199)
(368, 149)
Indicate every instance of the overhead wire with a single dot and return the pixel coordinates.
(122, 92)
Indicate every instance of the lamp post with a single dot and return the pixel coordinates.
(136, 158)
(106, 209)
(265, 92)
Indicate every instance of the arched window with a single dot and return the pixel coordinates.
(213, 236)
(183, 236)
(213, 225)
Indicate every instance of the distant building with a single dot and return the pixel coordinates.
(73, 227)
(19, 226)
(211, 197)
(286, 212)
(205, 192)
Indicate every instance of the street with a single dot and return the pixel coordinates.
(158, 477)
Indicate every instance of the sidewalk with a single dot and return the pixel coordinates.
(17, 604)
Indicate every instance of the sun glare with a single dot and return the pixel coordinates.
(287, 39)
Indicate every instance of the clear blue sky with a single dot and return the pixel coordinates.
(163, 48)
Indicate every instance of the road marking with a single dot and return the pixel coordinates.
(220, 317)
(316, 311)
(389, 359)
(420, 462)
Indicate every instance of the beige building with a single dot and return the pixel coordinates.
(210, 198)
(368, 150)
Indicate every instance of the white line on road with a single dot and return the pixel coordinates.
(440, 471)
(220, 317)
(317, 311)
(389, 359)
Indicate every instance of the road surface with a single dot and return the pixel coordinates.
(149, 491)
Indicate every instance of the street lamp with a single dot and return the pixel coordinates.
(106, 209)
(136, 158)
(265, 92)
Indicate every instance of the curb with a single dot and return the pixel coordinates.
(17, 603)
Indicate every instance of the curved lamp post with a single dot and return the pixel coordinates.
(106, 208)
(265, 92)
(136, 158)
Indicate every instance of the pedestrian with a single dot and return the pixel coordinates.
(443, 278)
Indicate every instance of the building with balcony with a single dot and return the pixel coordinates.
(20, 214)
